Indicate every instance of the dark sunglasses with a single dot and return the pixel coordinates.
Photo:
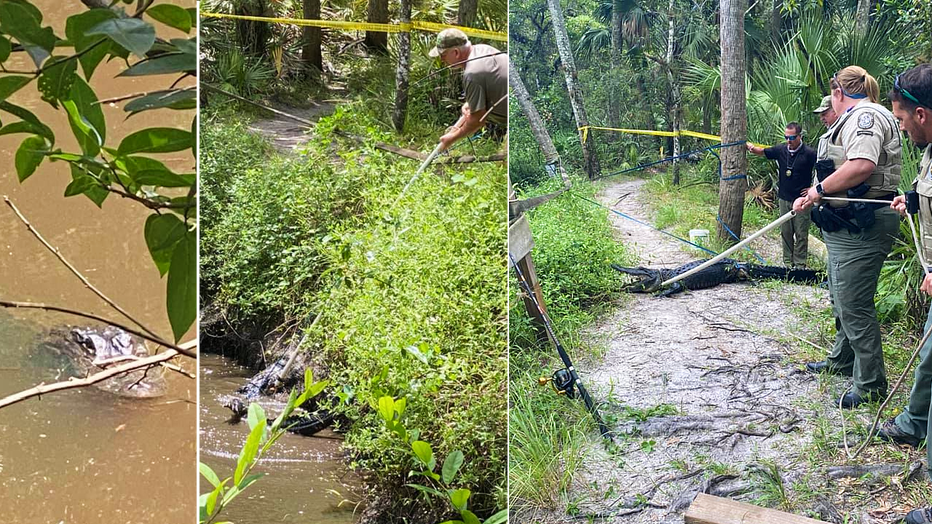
(898, 88)
(837, 85)
(790, 137)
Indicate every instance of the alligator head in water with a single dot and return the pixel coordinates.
(88, 350)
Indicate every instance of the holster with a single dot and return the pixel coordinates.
(824, 168)
(861, 212)
(830, 221)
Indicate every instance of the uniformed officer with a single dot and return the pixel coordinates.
(826, 112)
(912, 106)
(859, 156)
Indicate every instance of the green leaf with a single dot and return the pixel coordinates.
(5, 49)
(469, 517)
(387, 408)
(80, 185)
(27, 116)
(86, 117)
(91, 188)
(424, 453)
(22, 22)
(133, 34)
(255, 415)
(186, 45)
(11, 84)
(500, 517)
(164, 64)
(163, 232)
(182, 285)
(208, 474)
(57, 78)
(172, 16)
(30, 155)
(400, 406)
(451, 465)
(460, 498)
(172, 99)
(250, 448)
(76, 30)
(156, 140)
(249, 480)
(19, 127)
(212, 500)
(412, 349)
(164, 179)
(289, 407)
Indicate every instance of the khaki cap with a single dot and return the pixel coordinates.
(825, 105)
(447, 39)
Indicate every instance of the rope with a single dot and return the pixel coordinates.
(629, 217)
(671, 158)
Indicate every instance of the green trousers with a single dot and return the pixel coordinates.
(795, 236)
(854, 262)
(917, 416)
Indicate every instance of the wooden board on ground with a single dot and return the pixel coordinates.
(707, 509)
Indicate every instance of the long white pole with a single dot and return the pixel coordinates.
(732, 249)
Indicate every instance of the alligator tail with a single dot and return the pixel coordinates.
(800, 276)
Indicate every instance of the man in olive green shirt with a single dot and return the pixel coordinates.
(485, 78)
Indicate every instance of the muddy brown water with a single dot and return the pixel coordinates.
(84, 456)
(305, 477)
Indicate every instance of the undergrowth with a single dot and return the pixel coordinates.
(411, 293)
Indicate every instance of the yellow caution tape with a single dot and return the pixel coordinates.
(682, 132)
(366, 26)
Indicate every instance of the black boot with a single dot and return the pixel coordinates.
(824, 367)
(919, 516)
(852, 400)
(890, 432)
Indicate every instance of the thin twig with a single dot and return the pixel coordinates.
(134, 95)
(140, 334)
(801, 339)
(151, 204)
(42, 389)
(77, 273)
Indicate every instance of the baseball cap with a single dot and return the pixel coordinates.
(825, 105)
(448, 38)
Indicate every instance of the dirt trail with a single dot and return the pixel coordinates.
(285, 133)
(704, 395)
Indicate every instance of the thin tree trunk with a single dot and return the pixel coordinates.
(674, 94)
(734, 118)
(375, 41)
(590, 158)
(862, 20)
(310, 53)
(402, 73)
(538, 128)
(466, 14)
(776, 20)
(253, 36)
(616, 30)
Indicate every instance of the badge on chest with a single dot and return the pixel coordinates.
(865, 120)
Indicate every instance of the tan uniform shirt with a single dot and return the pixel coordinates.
(865, 133)
(923, 185)
(486, 82)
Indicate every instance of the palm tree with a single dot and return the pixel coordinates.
(734, 119)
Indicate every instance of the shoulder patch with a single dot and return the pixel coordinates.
(866, 120)
(865, 133)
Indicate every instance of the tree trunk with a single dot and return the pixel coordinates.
(310, 52)
(734, 119)
(377, 42)
(862, 20)
(253, 36)
(674, 94)
(776, 20)
(616, 31)
(590, 158)
(466, 14)
(402, 73)
(538, 128)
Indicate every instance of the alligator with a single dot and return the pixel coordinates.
(83, 351)
(264, 387)
(725, 271)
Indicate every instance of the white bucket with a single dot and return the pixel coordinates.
(699, 236)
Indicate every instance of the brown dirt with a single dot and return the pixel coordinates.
(742, 406)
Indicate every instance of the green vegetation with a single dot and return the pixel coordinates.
(410, 293)
(63, 78)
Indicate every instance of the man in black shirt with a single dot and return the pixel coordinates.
(795, 161)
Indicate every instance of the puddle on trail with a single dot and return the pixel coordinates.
(83, 457)
(305, 479)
